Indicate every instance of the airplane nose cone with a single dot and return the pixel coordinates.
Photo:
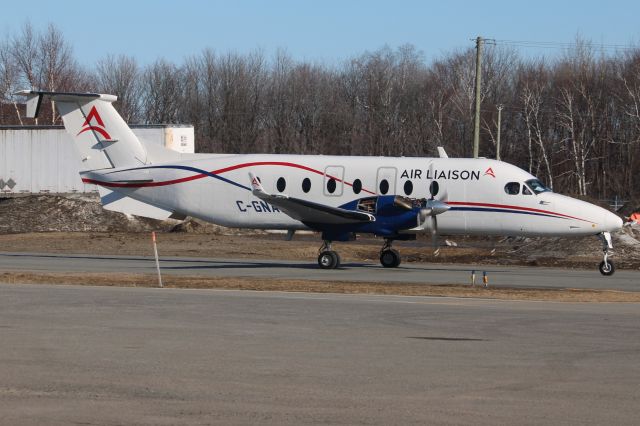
(611, 222)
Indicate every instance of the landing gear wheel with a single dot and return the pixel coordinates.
(607, 268)
(390, 258)
(329, 259)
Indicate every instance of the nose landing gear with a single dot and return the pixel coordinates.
(606, 266)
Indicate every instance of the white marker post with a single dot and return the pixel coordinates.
(155, 252)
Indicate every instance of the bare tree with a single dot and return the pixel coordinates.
(532, 94)
(162, 92)
(120, 75)
(8, 79)
(280, 101)
(240, 95)
(55, 62)
(574, 119)
(193, 110)
(24, 48)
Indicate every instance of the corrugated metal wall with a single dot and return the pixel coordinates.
(44, 160)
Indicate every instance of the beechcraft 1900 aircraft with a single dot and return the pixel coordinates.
(338, 196)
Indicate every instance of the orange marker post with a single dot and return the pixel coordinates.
(155, 252)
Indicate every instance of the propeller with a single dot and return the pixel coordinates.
(433, 207)
(434, 236)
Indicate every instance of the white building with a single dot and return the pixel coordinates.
(42, 159)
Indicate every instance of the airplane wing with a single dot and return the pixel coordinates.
(308, 211)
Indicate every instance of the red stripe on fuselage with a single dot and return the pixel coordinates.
(140, 185)
(506, 206)
(215, 172)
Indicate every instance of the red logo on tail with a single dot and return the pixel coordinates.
(93, 115)
(489, 172)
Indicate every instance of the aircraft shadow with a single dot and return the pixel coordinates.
(234, 264)
(194, 264)
(255, 265)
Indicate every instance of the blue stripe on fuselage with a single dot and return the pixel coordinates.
(194, 169)
(485, 209)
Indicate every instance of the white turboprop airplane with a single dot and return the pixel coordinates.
(339, 196)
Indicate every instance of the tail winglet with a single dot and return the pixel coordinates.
(34, 98)
(256, 185)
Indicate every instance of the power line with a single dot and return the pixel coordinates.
(564, 45)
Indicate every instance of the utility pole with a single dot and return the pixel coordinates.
(499, 127)
(476, 126)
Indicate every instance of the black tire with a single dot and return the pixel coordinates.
(328, 259)
(338, 260)
(607, 269)
(398, 258)
(390, 258)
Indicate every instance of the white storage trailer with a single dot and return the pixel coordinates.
(42, 159)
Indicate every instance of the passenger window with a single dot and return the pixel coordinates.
(512, 188)
(306, 185)
(281, 184)
(384, 186)
(331, 186)
(434, 188)
(408, 187)
(357, 186)
(525, 190)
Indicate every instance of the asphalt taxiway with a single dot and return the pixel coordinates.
(103, 355)
(512, 276)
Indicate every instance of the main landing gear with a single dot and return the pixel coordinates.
(606, 266)
(389, 257)
(328, 258)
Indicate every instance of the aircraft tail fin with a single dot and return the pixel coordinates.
(102, 138)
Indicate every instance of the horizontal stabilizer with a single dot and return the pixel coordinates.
(117, 202)
(34, 99)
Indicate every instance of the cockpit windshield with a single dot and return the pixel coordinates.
(537, 186)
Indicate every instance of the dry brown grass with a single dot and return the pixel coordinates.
(268, 284)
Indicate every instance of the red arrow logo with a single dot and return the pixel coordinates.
(99, 125)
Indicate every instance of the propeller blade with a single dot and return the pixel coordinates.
(434, 235)
(424, 213)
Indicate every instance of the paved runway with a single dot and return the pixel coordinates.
(101, 355)
(407, 273)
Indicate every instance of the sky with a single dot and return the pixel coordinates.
(322, 31)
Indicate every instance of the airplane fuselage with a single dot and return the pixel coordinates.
(339, 196)
(485, 196)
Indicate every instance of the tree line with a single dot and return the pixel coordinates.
(572, 119)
